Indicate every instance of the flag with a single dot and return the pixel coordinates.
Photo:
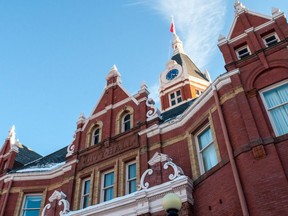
(172, 27)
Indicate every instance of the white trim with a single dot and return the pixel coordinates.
(240, 49)
(39, 175)
(141, 202)
(270, 35)
(262, 91)
(199, 152)
(176, 97)
(195, 107)
(25, 198)
(237, 16)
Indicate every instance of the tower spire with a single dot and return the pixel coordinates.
(177, 44)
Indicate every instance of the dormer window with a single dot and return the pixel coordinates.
(126, 122)
(175, 97)
(270, 39)
(243, 52)
(96, 136)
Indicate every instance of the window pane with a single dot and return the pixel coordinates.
(209, 157)
(173, 102)
(31, 213)
(132, 171)
(280, 118)
(109, 179)
(85, 201)
(108, 194)
(172, 96)
(178, 93)
(277, 103)
(179, 100)
(132, 186)
(33, 202)
(87, 187)
(96, 136)
(205, 138)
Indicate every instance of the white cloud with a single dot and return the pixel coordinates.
(198, 24)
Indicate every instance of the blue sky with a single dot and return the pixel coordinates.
(55, 55)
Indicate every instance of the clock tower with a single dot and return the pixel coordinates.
(181, 81)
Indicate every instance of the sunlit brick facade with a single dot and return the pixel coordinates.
(221, 146)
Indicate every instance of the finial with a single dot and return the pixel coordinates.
(275, 11)
(221, 37)
(81, 118)
(114, 68)
(143, 85)
(12, 135)
(239, 7)
(113, 73)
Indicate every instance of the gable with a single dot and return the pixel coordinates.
(245, 21)
(110, 96)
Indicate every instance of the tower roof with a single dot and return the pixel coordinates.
(184, 60)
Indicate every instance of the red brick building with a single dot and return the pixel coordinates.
(222, 146)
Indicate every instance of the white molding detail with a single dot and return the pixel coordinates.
(159, 157)
(58, 195)
(146, 184)
(184, 117)
(141, 202)
(71, 147)
(39, 175)
(177, 170)
(154, 113)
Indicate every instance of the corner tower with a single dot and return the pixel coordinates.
(181, 80)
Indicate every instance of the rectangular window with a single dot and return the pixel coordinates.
(107, 186)
(271, 39)
(85, 193)
(243, 52)
(175, 97)
(276, 103)
(206, 150)
(131, 178)
(31, 205)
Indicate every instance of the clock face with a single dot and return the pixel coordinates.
(172, 74)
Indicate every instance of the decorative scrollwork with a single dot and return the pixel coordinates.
(146, 184)
(66, 206)
(71, 147)
(177, 170)
(151, 113)
(48, 206)
(57, 195)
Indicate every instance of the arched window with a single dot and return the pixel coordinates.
(96, 136)
(126, 122)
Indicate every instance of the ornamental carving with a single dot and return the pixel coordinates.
(103, 152)
(158, 158)
(153, 112)
(61, 197)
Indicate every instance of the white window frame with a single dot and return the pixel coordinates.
(124, 122)
(241, 48)
(266, 105)
(82, 192)
(24, 201)
(199, 152)
(93, 136)
(102, 185)
(269, 35)
(127, 176)
(176, 97)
